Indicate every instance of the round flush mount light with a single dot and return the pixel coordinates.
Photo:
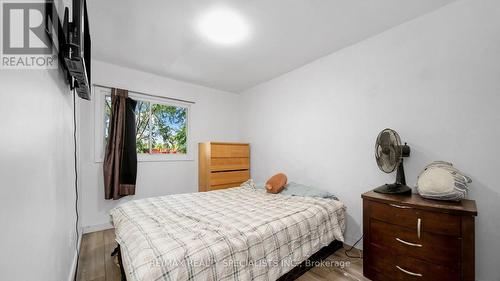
(223, 26)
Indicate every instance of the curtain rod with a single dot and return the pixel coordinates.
(149, 95)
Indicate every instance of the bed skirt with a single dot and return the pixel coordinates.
(293, 274)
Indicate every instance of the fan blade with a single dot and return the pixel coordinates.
(392, 156)
(385, 139)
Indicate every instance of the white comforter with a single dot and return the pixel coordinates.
(233, 234)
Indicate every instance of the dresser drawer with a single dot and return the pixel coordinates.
(435, 248)
(233, 177)
(375, 275)
(230, 150)
(224, 186)
(400, 267)
(440, 223)
(229, 164)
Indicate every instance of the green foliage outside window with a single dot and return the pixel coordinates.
(161, 128)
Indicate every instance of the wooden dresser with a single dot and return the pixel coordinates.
(223, 165)
(407, 237)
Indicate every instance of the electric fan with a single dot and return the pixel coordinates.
(389, 153)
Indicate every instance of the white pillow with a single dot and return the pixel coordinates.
(248, 184)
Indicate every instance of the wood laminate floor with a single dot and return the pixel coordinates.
(96, 263)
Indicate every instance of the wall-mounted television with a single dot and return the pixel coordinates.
(77, 49)
(71, 39)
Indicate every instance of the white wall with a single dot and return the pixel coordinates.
(213, 118)
(37, 237)
(436, 80)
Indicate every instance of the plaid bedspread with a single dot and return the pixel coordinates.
(232, 234)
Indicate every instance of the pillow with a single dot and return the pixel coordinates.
(253, 185)
(276, 183)
(248, 184)
(441, 181)
(296, 189)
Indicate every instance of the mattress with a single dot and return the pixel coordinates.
(233, 234)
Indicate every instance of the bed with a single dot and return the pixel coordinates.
(232, 234)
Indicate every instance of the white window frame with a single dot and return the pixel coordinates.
(99, 96)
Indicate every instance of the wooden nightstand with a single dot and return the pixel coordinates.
(407, 237)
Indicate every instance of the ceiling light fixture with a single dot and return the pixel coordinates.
(223, 26)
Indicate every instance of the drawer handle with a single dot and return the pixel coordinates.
(408, 243)
(409, 272)
(399, 206)
(419, 227)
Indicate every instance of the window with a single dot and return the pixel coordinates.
(162, 127)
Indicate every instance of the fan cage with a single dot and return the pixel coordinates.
(397, 148)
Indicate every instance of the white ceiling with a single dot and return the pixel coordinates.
(159, 36)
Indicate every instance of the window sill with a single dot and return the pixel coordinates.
(163, 158)
(158, 158)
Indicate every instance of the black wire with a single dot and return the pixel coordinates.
(352, 247)
(76, 184)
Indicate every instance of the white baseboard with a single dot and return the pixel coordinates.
(72, 270)
(97, 227)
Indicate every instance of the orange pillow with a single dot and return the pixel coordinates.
(276, 183)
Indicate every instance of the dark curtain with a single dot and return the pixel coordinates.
(120, 160)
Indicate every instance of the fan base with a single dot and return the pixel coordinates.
(393, 188)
